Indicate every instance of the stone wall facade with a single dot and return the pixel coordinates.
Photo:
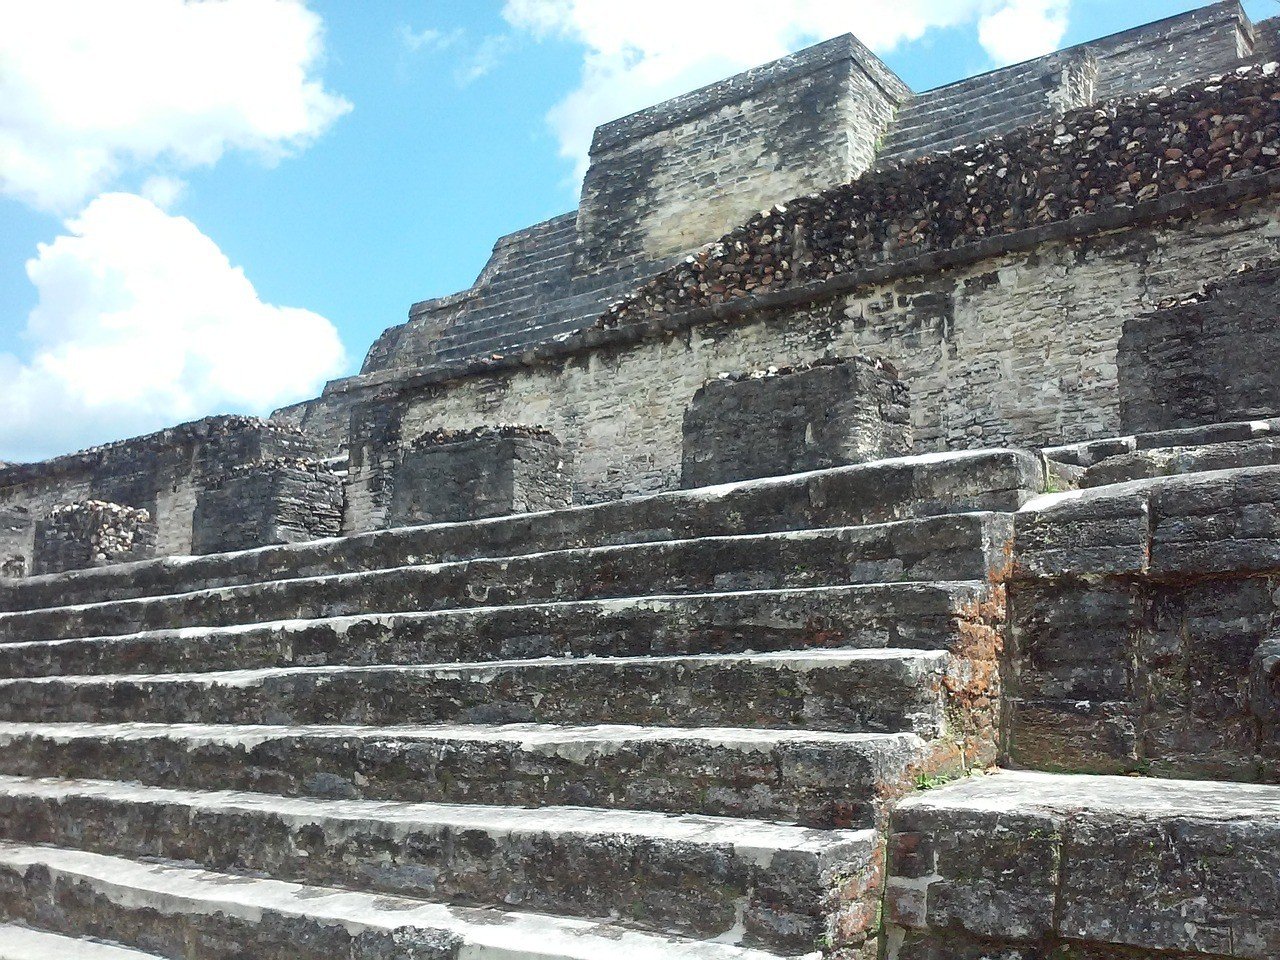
(997, 280)
(269, 502)
(1205, 359)
(777, 421)
(403, 476)
(161, 473)
(91, 533)
(670, 178)
(1143, 619)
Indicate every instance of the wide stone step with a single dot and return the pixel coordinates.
(185, 912)
(958, 547)
(926, 616)
(815, 779)
(1017, 864)
(23, 943)
(1174, 460)
(767, 884)
(836, 690)
(905, 488)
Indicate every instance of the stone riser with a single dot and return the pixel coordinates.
(961, 547)
(701, 881)
(901, 489)
(817, 781)
(838, 691)
(184, 913)
(902, 615)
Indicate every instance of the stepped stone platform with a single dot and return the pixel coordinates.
(1013, 696)
(678, 721)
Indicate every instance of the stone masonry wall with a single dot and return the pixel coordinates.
(1020, 348)
(1207, 358)
(778, 421)
(91, 533)
(282, 500)
(1143, 621)
(160, 473)
(996, 280)
(668, 179)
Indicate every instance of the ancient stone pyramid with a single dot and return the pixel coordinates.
(854, 532)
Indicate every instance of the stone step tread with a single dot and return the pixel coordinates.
(482, 934)
(854, 534)
(873, 690)
(1148, 798)
(879, 491)
(810, 778)
(754, 839)
(799, 661)
(564, 740)
(23, 943)
(748, 612)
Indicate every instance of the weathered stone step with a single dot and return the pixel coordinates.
(706, 877)
(835, 690)
(23, 943)
(956, 547)
(1017, 864)
(178, 910)
(811, 778)
(1175, 460)
(905, 488)
(927, 616)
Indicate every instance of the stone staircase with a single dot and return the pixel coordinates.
(662, 727)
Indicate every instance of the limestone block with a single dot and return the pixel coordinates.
(1203, 358)
(1041, 865)
(780, 421)
(469, 475)
(92, 533)
(281, 500)
(1082, 532)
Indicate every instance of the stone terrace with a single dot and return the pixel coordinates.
(1016, 701)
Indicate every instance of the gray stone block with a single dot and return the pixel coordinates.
(92, 533)
(781, 421)
(1204, 359)
(449, 476)
(1039, 865)
(269, 502)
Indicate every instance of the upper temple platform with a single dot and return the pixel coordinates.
(668, 179)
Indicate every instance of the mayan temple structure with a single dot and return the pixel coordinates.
(854, 532)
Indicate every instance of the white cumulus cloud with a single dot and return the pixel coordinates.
(90, 89)
(637, 54)
(1021, 29)
(143, 322)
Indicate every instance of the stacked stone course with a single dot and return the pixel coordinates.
(91, 533)
(1129, 152)
(280, 500)
(779, 420)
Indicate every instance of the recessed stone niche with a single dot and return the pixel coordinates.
(282, 500)
(92, 533)
(787, 420)
(449, 475)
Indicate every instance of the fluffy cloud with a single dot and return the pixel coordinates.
(143, 322)
(90, 88)
(641, 53)
(1022, 29)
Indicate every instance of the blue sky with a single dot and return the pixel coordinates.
(361, 156)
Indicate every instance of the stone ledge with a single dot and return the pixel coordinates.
(1024, 864)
